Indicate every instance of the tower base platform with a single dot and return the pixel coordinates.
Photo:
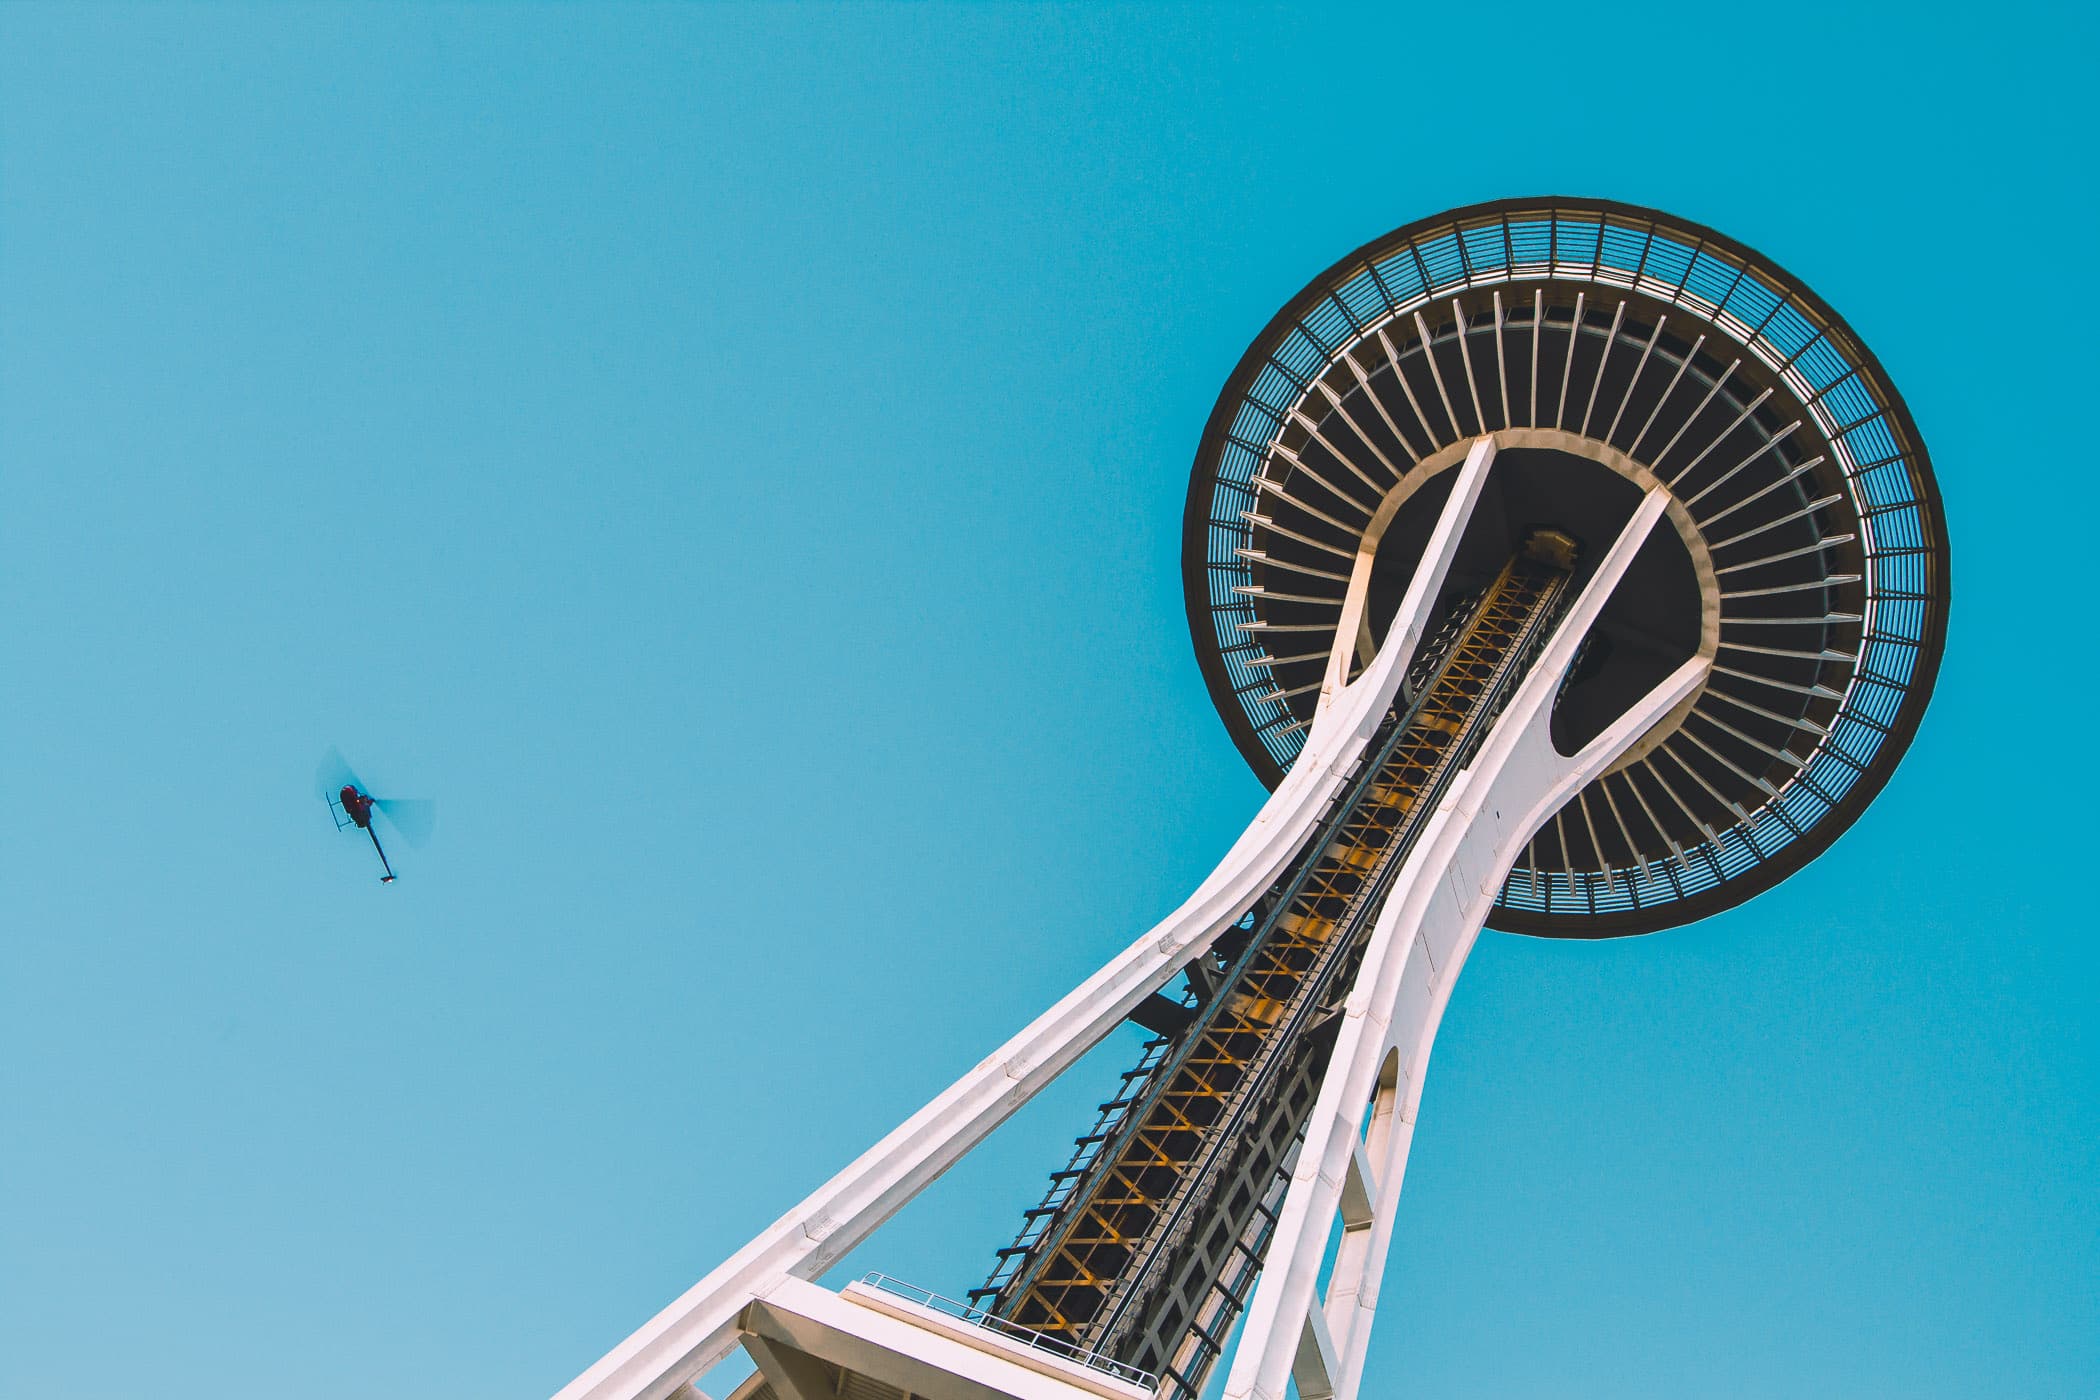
(882, 1340)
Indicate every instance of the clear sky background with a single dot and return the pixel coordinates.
(733, 461)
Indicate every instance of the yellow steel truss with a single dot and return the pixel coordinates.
(1082, 1259)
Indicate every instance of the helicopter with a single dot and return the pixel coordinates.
(351, 803)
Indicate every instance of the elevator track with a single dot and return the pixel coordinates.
(1148, 1242)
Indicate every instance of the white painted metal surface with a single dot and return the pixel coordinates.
(915, 1350)
(1349, 1170)
(1420, 941)
(701, 1327)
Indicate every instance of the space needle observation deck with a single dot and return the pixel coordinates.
(1607, 349)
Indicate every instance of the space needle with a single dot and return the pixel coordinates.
(1561, 567)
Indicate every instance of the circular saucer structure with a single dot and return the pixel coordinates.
(1607, 349)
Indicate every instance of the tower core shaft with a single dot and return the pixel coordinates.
(1148, 1242)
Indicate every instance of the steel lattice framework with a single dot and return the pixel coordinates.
(1701, 362)
(1148, 1241)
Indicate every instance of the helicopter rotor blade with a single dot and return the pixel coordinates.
(414, 817)
(334, 774)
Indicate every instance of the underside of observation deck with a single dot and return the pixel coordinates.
(1581, 329)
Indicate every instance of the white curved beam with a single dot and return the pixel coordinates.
(1421, 939)
(1413, 619)
(701, 1327)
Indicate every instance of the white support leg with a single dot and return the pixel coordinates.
(701, 1327)
(1429, 923)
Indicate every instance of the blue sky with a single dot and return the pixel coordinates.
(732, 460)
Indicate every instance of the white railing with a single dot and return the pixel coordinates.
(1041, 1341)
